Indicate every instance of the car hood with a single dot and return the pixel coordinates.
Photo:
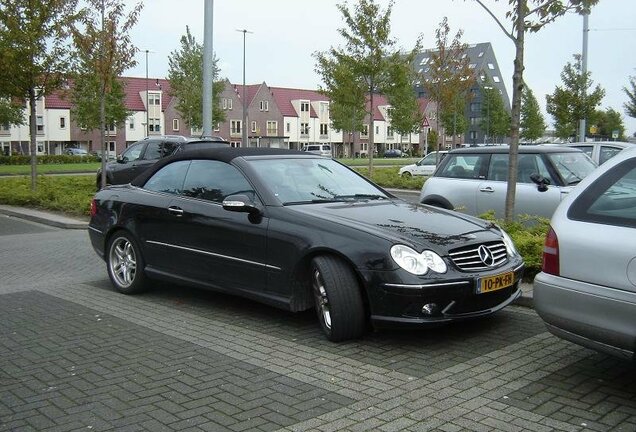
(399, 221)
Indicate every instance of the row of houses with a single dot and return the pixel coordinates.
(277, 117)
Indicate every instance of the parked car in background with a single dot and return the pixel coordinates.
(300, 231)
(425, 166)
(76, 152)
(394, 153)
(586, 292)
(473, 180)
(319, 149)
(600, 151)
(143, 154)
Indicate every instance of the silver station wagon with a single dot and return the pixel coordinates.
(474, 180)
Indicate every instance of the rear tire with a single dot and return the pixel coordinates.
(407, 174)
(125, 264)
(337, 299)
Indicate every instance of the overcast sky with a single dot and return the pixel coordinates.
(287, 32)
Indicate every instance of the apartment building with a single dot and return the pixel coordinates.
(276, 117)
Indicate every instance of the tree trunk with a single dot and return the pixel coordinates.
(517, 88)
(371, 146)
(33, 139)
(102, 129)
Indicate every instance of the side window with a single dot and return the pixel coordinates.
(498, 168)
(607, 152)
(214, 181)
(611, 199)
(529, 164)
(132, 153)
(431, 159)
(167, 148)
(153, 150)
(169, 179)
(463, 166)
(586, 149)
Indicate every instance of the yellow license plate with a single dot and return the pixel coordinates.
(494, 283)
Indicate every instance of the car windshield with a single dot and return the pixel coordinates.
(573, 167)
(304, 180)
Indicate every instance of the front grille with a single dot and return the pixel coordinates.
(468, 259)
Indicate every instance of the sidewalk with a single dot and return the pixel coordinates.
(61, 221)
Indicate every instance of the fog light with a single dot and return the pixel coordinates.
(429, 309)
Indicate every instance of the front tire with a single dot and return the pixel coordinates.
(337, 299)
(407, 174)
(125, 264)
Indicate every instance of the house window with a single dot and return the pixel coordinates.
(175, 124)
(324, 108)
(324, 129)
(154, 125)
(475, 107)
(264, 105)
(365, 131)
(389, 132)
(272, 128)
(491, 66)
(217, 127)
(6, 127)
(111, 129)
(496, 79)
(235, 127)
(39, 121)
(481, 54)
(304, 106)
(377, 130)
(473, 135)
(62, 122)
(227, 104)
(474, 120)
(235, 144)
(304, 129)
(131, 122)
(154, 99)
(472, 65)
(288, 127)
(253, 129)
(424, 61)
(112, 146)
(224, 103)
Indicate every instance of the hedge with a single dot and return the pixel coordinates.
(46, 159)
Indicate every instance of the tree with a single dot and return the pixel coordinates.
(452, 117)
(35, 55)
(11, 113)
(186, 82)
(449, 77)
(607, 122)
(368, 64)
(526, 16)
(573, 101)
(495, 120)
(630, 105)
(532, 121)
(104, 51)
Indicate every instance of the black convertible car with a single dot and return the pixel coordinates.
(300, 231)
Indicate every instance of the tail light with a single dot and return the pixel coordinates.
(93, 210)
(551, 254)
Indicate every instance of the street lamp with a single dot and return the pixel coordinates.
(487, 114)
(245, 144)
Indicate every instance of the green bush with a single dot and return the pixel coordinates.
(70, 194)
(389, 178)
(46, 159)
(528, 234)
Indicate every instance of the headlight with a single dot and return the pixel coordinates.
(510, 246)
(417, 263)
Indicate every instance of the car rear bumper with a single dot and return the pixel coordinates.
(594, 316)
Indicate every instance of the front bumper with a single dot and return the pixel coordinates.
(436, 301)
(593, 316)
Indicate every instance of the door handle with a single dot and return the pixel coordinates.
(488, 189)
(175, 211)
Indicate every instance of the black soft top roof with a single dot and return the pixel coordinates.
(223, 154)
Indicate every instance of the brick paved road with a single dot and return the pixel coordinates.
(75, 355)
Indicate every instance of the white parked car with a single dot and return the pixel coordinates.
(319, 149)
(601, 151)
(586, 292)
(425, 166)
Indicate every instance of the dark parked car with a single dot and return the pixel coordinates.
(393, 153)
(143, 154)
(300, 231)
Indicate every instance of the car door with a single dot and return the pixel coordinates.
(491, 194)
(459, 179)
(126, 163)
(427, 165)
(217, 247)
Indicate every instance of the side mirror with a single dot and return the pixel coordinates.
(242, 204)
(541, 181)
(121, 159)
